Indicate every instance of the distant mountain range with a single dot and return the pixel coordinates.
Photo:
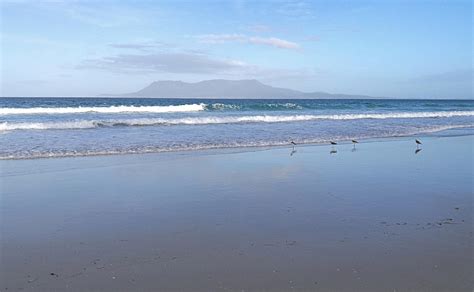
(221, 88)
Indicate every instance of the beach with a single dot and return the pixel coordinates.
(377, 217)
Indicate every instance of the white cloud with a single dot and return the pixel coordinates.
(221, 38)
(259, 28)
(181, 63)
(295, 9)
(274, 42)
(225, 38)
(202, 66)
(141, 46)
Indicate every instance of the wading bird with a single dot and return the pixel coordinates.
(418, 143)
(354, 142)
(333, 143)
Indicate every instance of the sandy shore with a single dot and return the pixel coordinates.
(380, 218)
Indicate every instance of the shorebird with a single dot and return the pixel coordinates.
(354, 142)
(293, 143)
(418, 143)
(333, 150)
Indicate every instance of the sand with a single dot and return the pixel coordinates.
(380, 218)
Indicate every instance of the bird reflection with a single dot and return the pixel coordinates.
(292, 152)
(333, 151)
(417, 150)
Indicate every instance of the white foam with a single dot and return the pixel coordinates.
(6, 126)
(280, 118)
(104, 110)
(84, 124)
(223, 106)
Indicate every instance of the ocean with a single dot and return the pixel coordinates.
(57, 127)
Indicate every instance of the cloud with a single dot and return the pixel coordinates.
(312, 38)
(185, 63)
(295, 9)
(131, 46)
(274, 42)
(221, 38)
(225, 38)
(192, 63)
(33, 82)
(103, 14)
(259, 28)
(141, 46)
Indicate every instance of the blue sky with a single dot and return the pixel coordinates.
(406, 49)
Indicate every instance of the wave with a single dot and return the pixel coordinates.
(84, 124)
(146, 109)
(255, 106)
(223, 106)
(104, 110)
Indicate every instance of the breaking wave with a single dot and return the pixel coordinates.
(147, 109)
(85, 124)
(104, 110)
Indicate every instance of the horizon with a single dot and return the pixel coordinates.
(85, 49)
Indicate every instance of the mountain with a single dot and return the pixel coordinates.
(220, 88)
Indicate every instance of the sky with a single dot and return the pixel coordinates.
(401, 49)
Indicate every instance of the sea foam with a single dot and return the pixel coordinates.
(84, 124)
(104, 110)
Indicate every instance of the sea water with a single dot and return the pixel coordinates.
(55, 127)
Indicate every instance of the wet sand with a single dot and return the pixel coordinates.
(380, 218)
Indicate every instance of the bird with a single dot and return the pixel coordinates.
(333, 143)
(354, 142)
(418, 142)
(293, 143)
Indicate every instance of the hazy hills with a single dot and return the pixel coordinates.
(221, 88)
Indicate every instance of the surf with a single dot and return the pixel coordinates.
(207, 120)
(104, 110)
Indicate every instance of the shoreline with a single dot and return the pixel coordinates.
(219, 149)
